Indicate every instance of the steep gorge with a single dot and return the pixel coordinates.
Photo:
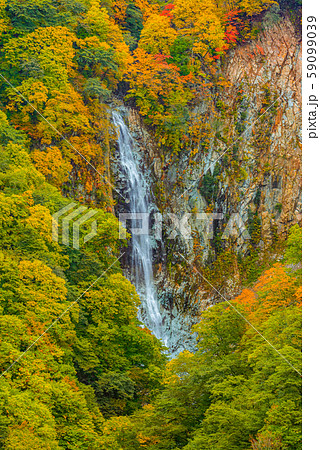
(245, 164)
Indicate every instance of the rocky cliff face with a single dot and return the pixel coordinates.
(246, 165)
(265, 75)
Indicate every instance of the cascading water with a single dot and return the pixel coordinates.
(141, 255)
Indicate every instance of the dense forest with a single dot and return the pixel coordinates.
(78, 371)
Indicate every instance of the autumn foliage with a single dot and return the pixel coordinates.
(96, 378)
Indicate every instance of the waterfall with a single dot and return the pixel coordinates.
(141, 255)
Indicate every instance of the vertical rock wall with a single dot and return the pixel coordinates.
(251, 167)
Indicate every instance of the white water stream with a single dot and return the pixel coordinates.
(141, 255)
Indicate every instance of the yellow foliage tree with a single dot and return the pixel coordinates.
(202, 20)
(51, 48)
(36, 93)
(65, 112)
(52, 165)
(104, 27)
(4, 20)
(252, 7)
(147, 8)
(152, 78)
(157, 35)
